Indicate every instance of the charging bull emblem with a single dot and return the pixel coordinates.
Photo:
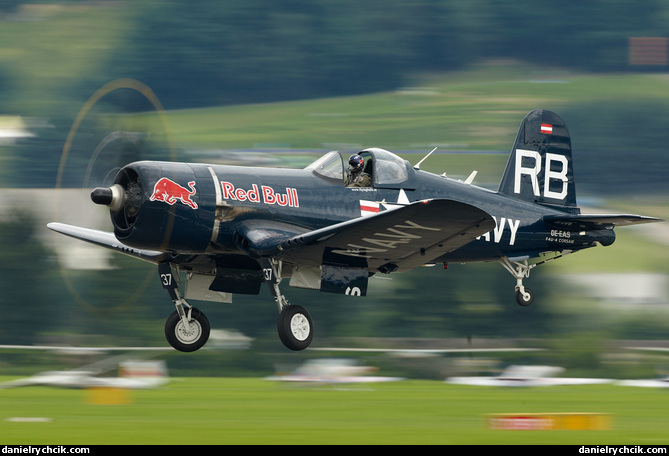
(169, 192)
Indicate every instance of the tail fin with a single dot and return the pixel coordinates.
(540, 165)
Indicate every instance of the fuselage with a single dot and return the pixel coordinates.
(317, 203)
(221, 197)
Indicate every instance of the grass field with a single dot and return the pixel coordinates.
(254, 411)
(478, 109)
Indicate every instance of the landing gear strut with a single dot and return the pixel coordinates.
(187, 329)
(294, 325)
(520, 270)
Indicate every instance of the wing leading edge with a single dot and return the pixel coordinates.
(105, 239)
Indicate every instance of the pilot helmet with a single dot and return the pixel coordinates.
(356, 162)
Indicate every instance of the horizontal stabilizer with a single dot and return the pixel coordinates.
(598, 221)
(107, 240)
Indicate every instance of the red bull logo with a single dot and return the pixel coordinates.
(169, 192)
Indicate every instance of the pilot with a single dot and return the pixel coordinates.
(357, 178)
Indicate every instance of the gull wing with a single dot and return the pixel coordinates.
(402, 238)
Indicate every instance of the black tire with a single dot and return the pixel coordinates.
(182, 341)
(295, 327)
(522, 300)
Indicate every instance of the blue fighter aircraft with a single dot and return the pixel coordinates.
(339, 221)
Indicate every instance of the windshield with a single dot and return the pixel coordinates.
(329, 166)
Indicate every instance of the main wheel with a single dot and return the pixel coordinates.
(525, 299)
(296, 330)
(187, 339)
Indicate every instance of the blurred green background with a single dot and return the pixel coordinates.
(278, 84)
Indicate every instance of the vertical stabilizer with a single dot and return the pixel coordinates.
(540, 167)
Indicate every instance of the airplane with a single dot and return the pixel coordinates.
(660, 382)
(151, 376)
(233, 229)
(332, 371)
(526, 376)
(425, 352)
(132, 373)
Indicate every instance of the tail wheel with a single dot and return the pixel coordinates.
(191, 337)
(295, 327)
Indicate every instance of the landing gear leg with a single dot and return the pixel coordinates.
(520, 270)
(294, 325)
(187, 329)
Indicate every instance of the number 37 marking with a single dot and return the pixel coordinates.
(166, 279)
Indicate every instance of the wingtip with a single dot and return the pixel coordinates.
(54, 226)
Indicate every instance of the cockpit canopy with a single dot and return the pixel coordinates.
(387, 169)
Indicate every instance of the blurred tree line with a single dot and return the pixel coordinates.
(212, 52)
(239, 51)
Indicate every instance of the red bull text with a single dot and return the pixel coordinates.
(264, 194)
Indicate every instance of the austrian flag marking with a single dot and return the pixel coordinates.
(547, 129)
(260, 194)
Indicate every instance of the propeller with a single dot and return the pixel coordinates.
(122, 122)
(124, 198)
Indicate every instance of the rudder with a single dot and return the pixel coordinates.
(540, 167)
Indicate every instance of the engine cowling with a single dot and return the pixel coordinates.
(162, 206)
